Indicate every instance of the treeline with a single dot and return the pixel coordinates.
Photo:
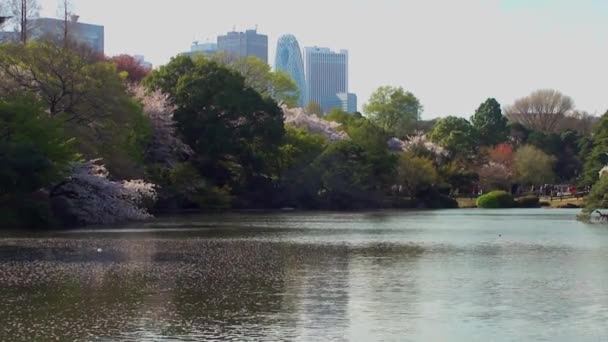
(86, 139)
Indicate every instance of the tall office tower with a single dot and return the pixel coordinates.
(244, 44)
(326, 76)
(289, 60)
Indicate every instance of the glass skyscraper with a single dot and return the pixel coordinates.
(243, 44)
(289, 60)
(326, 76)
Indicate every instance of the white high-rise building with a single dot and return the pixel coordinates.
(326, 76)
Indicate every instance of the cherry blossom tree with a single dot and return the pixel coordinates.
(88, 197)
(297, 117)
(166, 148)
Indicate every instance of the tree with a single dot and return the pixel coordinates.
(298, 117)
(299, 180)
(373, 140)
(234, 131)
(543, 110)
(502, 154)
(498, 171)
(457, 135)
(394, 109)
(346, 174)
(342, 117)
(415, 173)
(34, 150)
(88, 197)
(277, 85)
(128, 64)
(597, 199)
(165, 149)
(597, 152)
(283, 89)
(67, 83)
(420, 145)
(23, 11)
(533, 166)
(490, 124)
(495, 176)
(87, 96)
(314, 108)
(579, 121)
(34, 154)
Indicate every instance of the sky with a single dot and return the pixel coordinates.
(452, 54)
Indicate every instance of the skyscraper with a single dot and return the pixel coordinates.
(289, 60)
(243, 44)
(326, 76)
(81, 33)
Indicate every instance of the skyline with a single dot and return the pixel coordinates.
(495, 48)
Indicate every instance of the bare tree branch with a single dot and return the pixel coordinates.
(543, 110)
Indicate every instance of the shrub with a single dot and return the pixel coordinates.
(496, 200)
(529, 201)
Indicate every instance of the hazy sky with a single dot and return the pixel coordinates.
(452, 54)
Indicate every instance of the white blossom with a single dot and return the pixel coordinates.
(166, 147)
(418, 142)
(89, 197)
(298, 117)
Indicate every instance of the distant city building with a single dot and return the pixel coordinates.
(326, 76)
(205, 49)
(344, 101)
(142, 62)
(86, 34)
(208, 48)
(289, 60)
(244, 44)
(348, 102)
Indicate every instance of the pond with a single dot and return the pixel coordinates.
(461, 275)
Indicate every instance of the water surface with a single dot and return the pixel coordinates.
(463, 275)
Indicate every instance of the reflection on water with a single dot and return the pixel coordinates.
(447, 275)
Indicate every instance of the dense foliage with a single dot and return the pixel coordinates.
(87, 139)
(394, 109)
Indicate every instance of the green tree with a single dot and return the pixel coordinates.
(346, 174)
(490, 124)
(34, 154)
(598, 197)
(299, 180)
(457, 135)
(283, 89)
(373, 140)
(394, 109)
(167, 76)
(86, 95)
(277, 85)
(597, 152)
(342, 117)
(416, 174)
(234, 131)
(533, 166)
